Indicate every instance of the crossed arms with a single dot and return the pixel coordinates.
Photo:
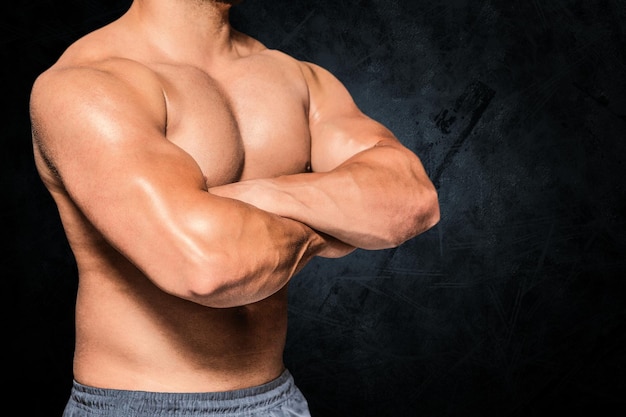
(366, 189)
(99, 144)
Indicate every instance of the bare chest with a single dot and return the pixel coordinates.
(239, 125)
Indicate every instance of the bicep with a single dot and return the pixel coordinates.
(109, 150)
(339, 129)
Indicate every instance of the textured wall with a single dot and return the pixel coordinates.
(513, 305)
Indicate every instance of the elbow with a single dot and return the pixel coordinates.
(415, 216)
(419, 211)
(225, 280)
(430, 212)
(422, 214)
(209, 281)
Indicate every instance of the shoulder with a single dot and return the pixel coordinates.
(317, 79)
(79, 106)
(93, 71)
(76, 86)
(87, 79)
(310, 71)
(326, 91)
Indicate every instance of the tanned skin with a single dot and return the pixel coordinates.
(195, 172)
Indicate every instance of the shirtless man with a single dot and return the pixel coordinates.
(195, 172)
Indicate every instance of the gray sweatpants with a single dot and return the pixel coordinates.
(277, 398)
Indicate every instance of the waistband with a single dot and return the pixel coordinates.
(226, 403)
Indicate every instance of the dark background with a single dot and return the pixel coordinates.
(514, 305)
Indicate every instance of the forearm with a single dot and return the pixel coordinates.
(377, 199)
(257, 256)
(245, 256)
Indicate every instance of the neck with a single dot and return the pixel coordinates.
(185, 29)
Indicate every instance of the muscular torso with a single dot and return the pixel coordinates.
(244, 119)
